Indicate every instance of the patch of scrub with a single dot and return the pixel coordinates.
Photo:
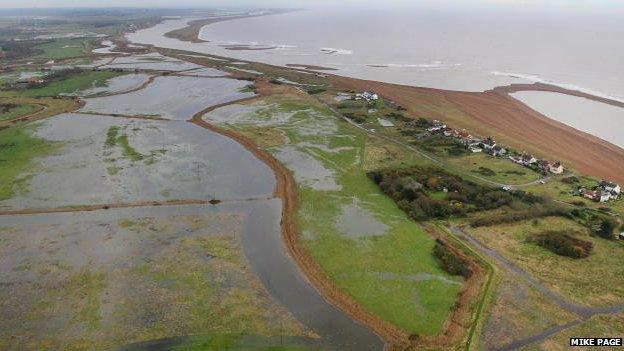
(355, 221)
(114, 277)
(117, 84)
(169, 97)
(108, 159)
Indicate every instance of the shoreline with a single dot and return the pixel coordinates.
(496, 113)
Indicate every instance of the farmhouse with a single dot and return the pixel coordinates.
(597, 195)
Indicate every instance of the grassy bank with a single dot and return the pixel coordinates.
(591, 280)
(71, 85)
(18, 151)
(15, 111)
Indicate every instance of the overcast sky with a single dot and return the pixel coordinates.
(607, 6)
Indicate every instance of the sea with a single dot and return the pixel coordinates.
(467, 49)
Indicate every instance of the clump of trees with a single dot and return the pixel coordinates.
(410, 189)
(450, 262)
(601, 225)
(13, 49)
(563, 244)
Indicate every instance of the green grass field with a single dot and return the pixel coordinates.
(506, 172)
(18, 111)
(71, 85)
(594, 280)
(63, 48)
(392, 275)
(18, 149)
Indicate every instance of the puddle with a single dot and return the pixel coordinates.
(308, 171)
(357, 222)
(169, 97)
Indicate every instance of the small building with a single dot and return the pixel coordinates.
(497, 151)
(620, 236)
(488, 143)
(597, 195)
(556, 168)
(436, 126)
(474, 148)
(610, 187)
(528, 159)
(384, 122)
(367, 95)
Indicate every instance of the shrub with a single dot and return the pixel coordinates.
(570, 180)
(449, 262)
(563, 244)
(486, 171)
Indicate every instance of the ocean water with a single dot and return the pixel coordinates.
(469, 50)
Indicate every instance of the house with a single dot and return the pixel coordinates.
(556, 168)
(436, 126)
(497, 150)
(367, 95)
(474, 148)
(610, 187)
(448, 132)
(596, 195)
(516, 159)
(487, 144)
(528, 159)
(620, 236)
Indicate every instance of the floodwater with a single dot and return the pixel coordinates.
(579, 113)
(177, 160)
(307, 170)
(355, 221)
(117, 84)
(206, 72)
(151, 61)
(141, 271)
(171, 97)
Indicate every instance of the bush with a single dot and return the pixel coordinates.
(570, 180)
(449, 262)
(563, 244)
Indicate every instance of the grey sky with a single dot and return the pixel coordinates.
(557, 5)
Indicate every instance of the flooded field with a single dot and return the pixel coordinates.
(151, 61)
(206, 72)
(117, 277)
(118, 84)
(108, 159)
(172, 97)
(346, 224)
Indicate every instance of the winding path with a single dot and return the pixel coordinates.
(582, 312)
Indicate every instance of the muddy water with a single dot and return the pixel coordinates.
(117, 84)
(281, 277)
(178, 160)
(176, 98)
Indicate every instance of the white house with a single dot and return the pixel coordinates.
(610, 187)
